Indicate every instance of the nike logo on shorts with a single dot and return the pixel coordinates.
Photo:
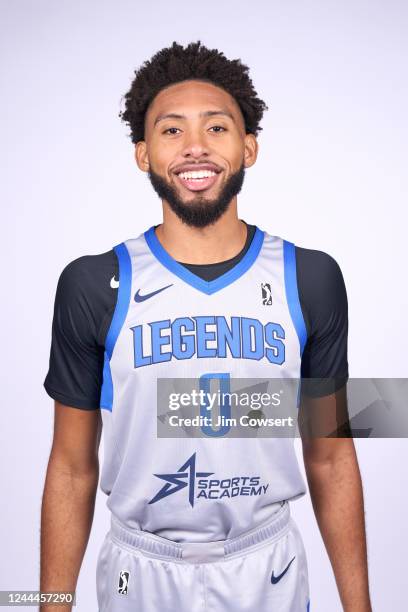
(275, 579)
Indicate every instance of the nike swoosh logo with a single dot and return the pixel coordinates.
(142, 298)
(275, 579)
(114, 283)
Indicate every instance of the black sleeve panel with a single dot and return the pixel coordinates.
(323, 299)
(83, 308)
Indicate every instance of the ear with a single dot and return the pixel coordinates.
(141, 156)
(250, 150)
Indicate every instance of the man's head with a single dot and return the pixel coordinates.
(191, 110)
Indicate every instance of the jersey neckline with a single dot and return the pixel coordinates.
(196, 281)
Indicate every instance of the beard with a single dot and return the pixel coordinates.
(200, 211)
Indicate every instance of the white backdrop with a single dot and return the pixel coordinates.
(330, 176)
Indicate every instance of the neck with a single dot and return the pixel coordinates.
(202, 245)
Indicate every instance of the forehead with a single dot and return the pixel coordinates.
(190, 97)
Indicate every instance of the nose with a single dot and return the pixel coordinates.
(195, 145)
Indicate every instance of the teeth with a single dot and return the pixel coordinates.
(200, 174)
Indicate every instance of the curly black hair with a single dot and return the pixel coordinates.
(194, 62)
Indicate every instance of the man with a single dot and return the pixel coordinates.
(198, 523)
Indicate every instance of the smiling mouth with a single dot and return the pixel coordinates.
(198, 181)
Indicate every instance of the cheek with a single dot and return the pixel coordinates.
(166, 151)
(160, 160)
(232, 150)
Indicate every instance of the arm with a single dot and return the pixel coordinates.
(69, 498)
(336, 491)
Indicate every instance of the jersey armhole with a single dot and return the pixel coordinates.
(118, 319)
(292, 293)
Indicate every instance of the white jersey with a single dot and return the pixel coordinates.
(170, 323)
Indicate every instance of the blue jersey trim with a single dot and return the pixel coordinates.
(308, 606)
(122, 303)
(107, 385)
(118, 319)
(292, 295)
(192, 279)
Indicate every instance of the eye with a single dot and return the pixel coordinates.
(217, 128)
(168, 130)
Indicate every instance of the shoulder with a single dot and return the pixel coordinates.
(89, 278)
(319, 277)
(318, 269)
(81, 272)
(321, 288)
(87, 292)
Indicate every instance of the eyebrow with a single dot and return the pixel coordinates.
(209, 113)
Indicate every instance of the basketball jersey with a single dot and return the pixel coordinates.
(171, 324)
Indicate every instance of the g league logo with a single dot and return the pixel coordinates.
(123, 582)
(266, 294)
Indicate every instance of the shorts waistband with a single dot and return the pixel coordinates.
(200, 552)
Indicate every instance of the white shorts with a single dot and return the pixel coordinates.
(263, 570)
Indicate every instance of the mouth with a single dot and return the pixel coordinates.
(198, 180)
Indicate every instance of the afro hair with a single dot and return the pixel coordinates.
(194, 62)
